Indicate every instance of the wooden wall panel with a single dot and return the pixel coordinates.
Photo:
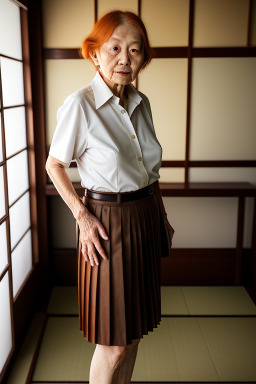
(220, 23)
(223, 109)
(110, 5)
(66, 22)
(165, 84)
(166, 22)
(63, 77)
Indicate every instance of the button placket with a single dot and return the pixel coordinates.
(135, 144)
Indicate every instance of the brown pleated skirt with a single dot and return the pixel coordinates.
(119, 300)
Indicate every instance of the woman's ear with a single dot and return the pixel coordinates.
(94, 57)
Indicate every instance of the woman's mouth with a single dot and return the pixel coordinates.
(122, 73)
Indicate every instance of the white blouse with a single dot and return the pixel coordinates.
(116, 150)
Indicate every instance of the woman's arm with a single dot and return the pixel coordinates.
(89, 226)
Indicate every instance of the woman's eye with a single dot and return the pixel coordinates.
(134, 50)
(115, 48)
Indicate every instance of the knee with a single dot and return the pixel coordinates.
(116, 354)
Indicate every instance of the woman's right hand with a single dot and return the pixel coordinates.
(90, 228)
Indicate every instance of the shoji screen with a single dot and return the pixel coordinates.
(15, 223)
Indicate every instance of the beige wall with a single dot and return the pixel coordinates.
(223, 98)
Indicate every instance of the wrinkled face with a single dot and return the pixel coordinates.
(122, 56)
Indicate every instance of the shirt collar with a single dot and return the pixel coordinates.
(102, 93)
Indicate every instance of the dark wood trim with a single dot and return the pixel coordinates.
(13, 106)
(95, 11)
(189, 81)
(17, 153)
(163, 52)
(22, 237)
(139, 8)
(3, 219)
(18, 198)
(30, 134)
(61, 53)
(201, 163)
(11, 58)
(249, 24)
(4, 272)
(173, 164)
(239, 240)
(38, 123)
(185, 190)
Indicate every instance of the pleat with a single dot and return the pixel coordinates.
(103, 298)
(120, 300)
(127, 271)
(142, 262)
(118, 322)
(138, 292)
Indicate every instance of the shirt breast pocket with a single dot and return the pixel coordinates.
(103, 168)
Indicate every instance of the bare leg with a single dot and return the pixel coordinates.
(105, 365)
(127, 364)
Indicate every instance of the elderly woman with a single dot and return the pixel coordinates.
(107, 128)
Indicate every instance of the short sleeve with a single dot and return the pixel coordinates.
(70, 137)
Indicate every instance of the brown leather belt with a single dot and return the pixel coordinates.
(121, 196)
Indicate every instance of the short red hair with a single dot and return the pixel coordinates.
(104, 28)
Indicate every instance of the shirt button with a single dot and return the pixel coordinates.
(139, 158)
(133, 137)
(123, 111)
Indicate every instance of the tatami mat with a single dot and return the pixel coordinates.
(232, 344)
(186, 300)
(172, 301)
(63, 301)
(64, 354)
(218, 300)
(180, 349)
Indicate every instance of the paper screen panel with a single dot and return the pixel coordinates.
(5, 321)
(63, 77)
(166, 21)
(66, 23)
(10, 45)
(220, 23)
(2, 195)
(164, 82)
(110, 5)
(223, 109)
(215, 218)
(172, 175)
(19, 219)
(3, 247)
(12, 82)
(17, 175)
(222, 174)
(15, 130)
(21, 262)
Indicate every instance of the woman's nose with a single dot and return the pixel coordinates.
(124, 58)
